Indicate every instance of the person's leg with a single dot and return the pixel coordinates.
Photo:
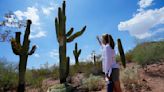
(110, 86)
(117, 86)
(115, 78)
(114, 88)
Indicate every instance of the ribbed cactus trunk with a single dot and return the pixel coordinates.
(94, 59)
(93, 54)
(23, 51)
(77, 60)
(76, 53)
(22, 70)
(63, 38)
(63, 63)
(121, 51)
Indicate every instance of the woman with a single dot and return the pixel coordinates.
(110, 67)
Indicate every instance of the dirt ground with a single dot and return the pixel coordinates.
(152, 76)
(151, 79)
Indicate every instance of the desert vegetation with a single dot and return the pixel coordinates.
(139, 67)
(89, 77)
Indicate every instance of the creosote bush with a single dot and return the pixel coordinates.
(130, 78)
(94, 83)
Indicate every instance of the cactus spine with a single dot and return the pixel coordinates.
(76, 53)
(121, 51)
(63, 38)
(23, 51)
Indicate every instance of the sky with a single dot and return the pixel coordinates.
(132, 21)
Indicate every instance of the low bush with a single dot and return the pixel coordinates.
(87, 68)
(93, 83)
(8, 75)
(60, 88)
(131, 80)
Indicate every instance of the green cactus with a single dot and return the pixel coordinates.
(93, 54)
(64, 38)
(23, 51)
(94, 59)
(121, 51)
(76, 53)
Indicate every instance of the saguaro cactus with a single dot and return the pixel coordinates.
(76, 53)
(23, 51)
(121, 51)
(93, 56)
(64, 38)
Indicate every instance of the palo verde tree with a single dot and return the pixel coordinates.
(9, 20)
(22, 49)
(63, 38)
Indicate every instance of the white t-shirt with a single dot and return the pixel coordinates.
(109, 61)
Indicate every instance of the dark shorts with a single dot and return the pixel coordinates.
(115, 74)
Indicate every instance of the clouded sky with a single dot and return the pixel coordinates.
(130, 20)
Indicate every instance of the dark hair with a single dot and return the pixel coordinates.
(105, 37)
(111, 41)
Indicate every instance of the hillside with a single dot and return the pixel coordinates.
(143, 74)
(147, 53)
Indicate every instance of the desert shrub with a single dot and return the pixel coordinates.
(8, 75)
(148, 53)
(43, 71)
(37, 82)
(28, 77)
(83, 67)
(33, 79)
(129, 56)
(97, 68)
(60, 88)
(87, 68)
(55, 72)
(117, 58)
(130, 78)
(129, 74)
(93, 83)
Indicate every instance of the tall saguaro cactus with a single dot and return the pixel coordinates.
(23, 51)
(76, 53)
(64, 38)
(121, 51)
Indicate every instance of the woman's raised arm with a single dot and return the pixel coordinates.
(99, 40)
